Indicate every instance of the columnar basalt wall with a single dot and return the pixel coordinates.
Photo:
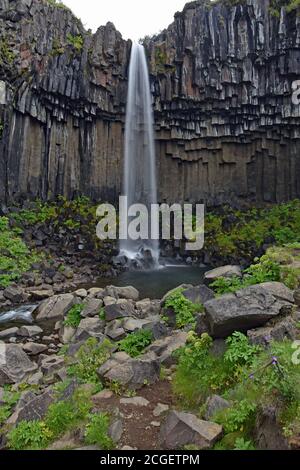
(226, 127)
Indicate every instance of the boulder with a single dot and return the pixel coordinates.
(92, 307)
(51, 364)
(28, 331)
(180, 429)
(66, 334)
(33, 349)
(246, 309)
(15, 294)
(15, 365)
(54, 308)
(34, 409)
(268, 434)
(81, 293)
(224, 271)
(129, 292)
(285, 328)
(133, 373)
(163, 349)
(147, 308)
(135, 401)
(114, 330)
(90, 327)
(213, 405)
(199, 294)
(160, 409)
(122, 310)
(8, 333)
(40, 294)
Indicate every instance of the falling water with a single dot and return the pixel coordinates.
(139, 171)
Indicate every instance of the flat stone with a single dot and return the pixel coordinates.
(36, 294)
(135, 401)
(160, 409)
(180, 429)
(33, 349)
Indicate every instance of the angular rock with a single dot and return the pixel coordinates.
(55, 308)
(33, 349)
(92, 308)
(51, 364)
(37, 294)
(199, 295)
(129, 292)
(180, 429)
(82, 293)
(28, 331)
(90, 327)
(115, 331)
(115, 311)
(15, 365)
(8, 333)
(246, 309)
(34, 410)
(66, 334)
(268, 433)
(15, 294)
(160, 409)
(285, 328)
(163, 349)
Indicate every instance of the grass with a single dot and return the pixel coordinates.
(96, 431)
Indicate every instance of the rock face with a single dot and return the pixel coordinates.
(246, 309)
(221, 77)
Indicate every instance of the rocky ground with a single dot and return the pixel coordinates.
(59, 351)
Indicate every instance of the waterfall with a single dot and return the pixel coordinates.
(139, 162)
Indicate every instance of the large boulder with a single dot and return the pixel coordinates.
(246, 309)
(54, 308)
(119, 310)
(129, 292)
(34, 409)
(180, 429)
(15, 365)
(131, 373)
(199, 294)
(224, 271)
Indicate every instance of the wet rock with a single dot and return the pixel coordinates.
(213, 405)
(15, 365)
(180, 429)
(55, 308)
(246, 309)
(224, 271)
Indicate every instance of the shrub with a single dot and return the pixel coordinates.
(89, 358)
(184, 309)
(135, 343)
(73, 317)
(96, 432)
(29, 435)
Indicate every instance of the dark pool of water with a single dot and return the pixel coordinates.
(155, 284)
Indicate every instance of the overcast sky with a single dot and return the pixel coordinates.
(133, 18)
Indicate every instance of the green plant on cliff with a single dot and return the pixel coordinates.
(15, 256)
(135, 343)
(76, 41)
(73, 317)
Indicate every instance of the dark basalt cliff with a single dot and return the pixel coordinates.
(226, 127)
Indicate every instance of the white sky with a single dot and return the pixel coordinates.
(133, 18)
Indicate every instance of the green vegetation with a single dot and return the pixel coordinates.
(7, 56)
(58, 4)
(9, 399)
(76, 42)
(73, 317)
(135, 343)
(97, 432)
(184, 309)
(89, 358)
(248, 376)
(278, 264)
(15, 256)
